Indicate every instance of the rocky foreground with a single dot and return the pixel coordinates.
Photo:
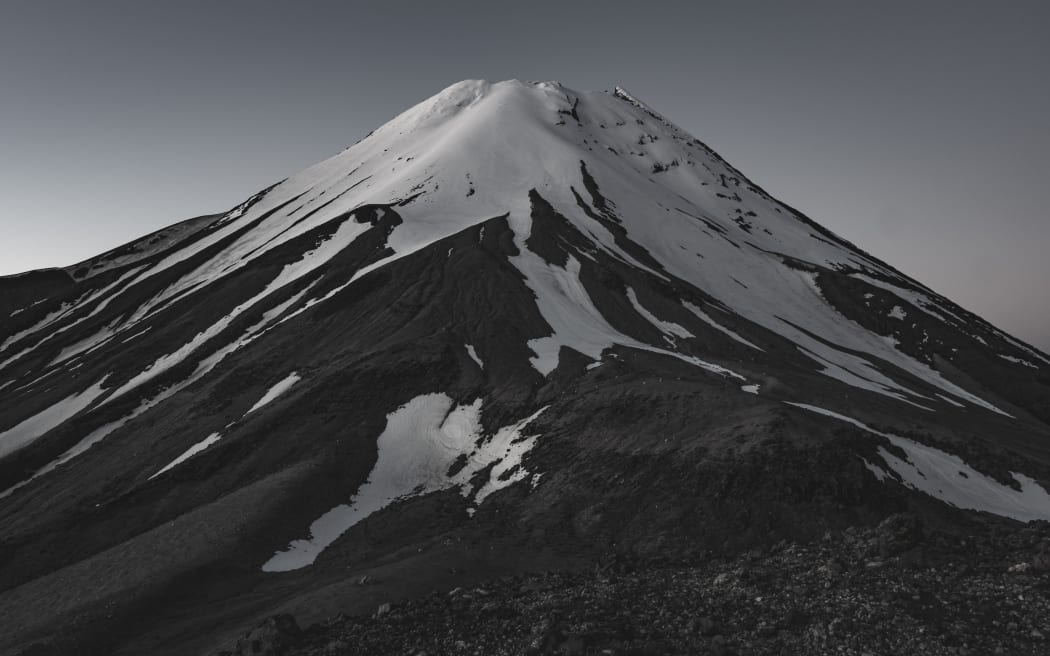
(899, 588)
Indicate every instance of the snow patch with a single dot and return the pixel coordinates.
(880, 473)
(1010, 358)
(567, 308)
(189, 453)
(66, 309)
(850, 333)
(203, 367)
(914, 298)
(703, 316)
(949, 400)
(667, 327)
(278, 389)
(872, 379)
(92, 438)
(474, 356)
(422, 440)
(85, 345)
(30, 429)
(347, 231)
(947, 477)
(504, 452)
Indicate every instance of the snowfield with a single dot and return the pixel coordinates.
(946, 477)
(422, 440)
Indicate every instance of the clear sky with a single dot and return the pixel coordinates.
(919, 130)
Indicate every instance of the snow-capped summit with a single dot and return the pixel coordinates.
(515, 313)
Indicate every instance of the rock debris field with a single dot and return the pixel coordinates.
(899, 588)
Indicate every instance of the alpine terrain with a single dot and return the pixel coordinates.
(517, 329)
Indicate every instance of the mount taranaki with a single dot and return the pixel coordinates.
(517, 328)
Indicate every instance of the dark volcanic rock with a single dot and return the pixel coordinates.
(276, 636)
(899, 533)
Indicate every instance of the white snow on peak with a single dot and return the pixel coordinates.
(750, 389)
(626, 95)
(897, 313)
(946, 477)
(422, 440)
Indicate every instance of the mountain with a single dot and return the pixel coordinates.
(517, 328)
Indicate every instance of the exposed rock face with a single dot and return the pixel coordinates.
(517, 328)
(276, 636)
(899, 533)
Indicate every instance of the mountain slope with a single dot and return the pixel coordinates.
(514, 327)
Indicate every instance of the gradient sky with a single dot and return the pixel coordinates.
(917, 130)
